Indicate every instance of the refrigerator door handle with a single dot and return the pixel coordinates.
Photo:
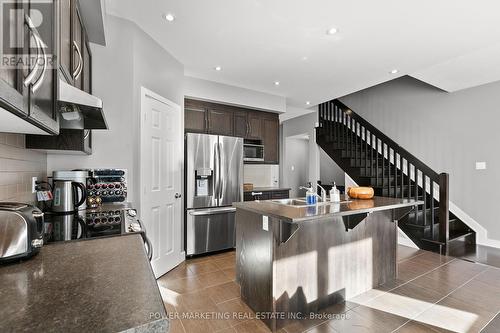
(221, 179)
(216, 173)
(212, 211)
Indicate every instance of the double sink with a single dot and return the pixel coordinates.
(301, 202)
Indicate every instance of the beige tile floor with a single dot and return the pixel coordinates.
(432, 293)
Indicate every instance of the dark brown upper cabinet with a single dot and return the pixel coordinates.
(77, 47)
(270, 139)
(195, 119)
(66, 39)
(74, 53)
(220, 121)
(254, 125)
(28, 88)
(240, 126)
(87, 68)
(70, 141)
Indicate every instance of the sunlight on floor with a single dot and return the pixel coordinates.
(168, 296)
(434, 314)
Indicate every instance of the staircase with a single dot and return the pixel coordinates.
(371, 158)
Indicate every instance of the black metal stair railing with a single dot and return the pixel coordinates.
(399, 172)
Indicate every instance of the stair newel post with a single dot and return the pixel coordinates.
(408, 166)
(371, 154)
(401, 183)
(444, 210)
(320, 117)
(424, 194)
(389, 184)
(365, 134)
(331, 130)
(376, 160)
(337, 123)
(352, 138)
(433, 214)
(396, 174)
(383, 166)
(416, 193)
(344, 120)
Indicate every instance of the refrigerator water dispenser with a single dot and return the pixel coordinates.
(204, 181)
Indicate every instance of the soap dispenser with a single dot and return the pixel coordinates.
(334, 194)
(310, 194)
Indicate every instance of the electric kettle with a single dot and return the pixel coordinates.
(68, 196)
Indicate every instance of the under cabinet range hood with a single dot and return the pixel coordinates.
(78, 109)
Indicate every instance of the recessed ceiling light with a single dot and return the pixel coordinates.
(276, 83)
(169, 17)
(308, 103)
(394, 71)
(218, 68)
(331, 31)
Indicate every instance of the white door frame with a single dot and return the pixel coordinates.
(144, 94)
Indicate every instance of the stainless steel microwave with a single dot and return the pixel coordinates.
(253, 152)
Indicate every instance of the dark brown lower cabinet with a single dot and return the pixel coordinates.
(266, 195)
(70, 141)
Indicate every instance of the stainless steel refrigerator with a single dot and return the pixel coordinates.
(214, 180)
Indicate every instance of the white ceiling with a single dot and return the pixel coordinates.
(258, 42)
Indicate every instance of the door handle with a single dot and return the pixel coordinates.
(178, 195)
(39, 82)
(212, 211)
(79, 68)
(31, 75)
(221, 181)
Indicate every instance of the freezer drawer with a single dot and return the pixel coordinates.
(209, 230)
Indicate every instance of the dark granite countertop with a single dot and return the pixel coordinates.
(268, 189)
(100, 285)
(304, 213)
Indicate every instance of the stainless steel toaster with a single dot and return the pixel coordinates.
(21, 231)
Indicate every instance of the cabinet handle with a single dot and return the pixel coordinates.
(256, 193)
(39, 82)
(34, 71)
(79, 68)
(248, 129)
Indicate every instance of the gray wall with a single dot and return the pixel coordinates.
(130, 59)
(301, 125)
(298, 157)
(329, 171)
(296, 126)
(447, 131)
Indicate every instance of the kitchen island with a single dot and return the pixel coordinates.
(293, 259)
(99, 285)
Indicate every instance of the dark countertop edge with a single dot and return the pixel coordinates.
(158, 326)
(268, 189)
(159, 298)
(241, 205)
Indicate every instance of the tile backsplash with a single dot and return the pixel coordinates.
(261, 175)
(17, 166)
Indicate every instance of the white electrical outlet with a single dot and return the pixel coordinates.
(265, 223)
(480, 165)
(33, 184)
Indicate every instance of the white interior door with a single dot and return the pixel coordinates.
(161, 179)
